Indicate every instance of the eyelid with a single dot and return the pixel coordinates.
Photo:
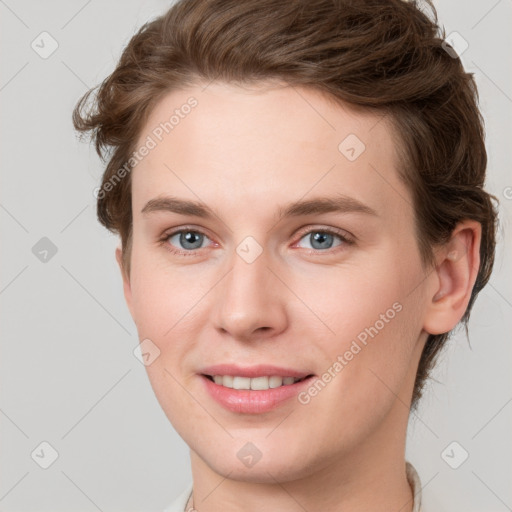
(173, 231)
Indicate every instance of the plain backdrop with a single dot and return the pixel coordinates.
(69, 377)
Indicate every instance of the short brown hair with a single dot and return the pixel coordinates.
(388, 56)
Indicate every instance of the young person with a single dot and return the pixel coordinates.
(298, 188)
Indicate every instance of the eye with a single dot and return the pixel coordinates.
(323, 239)
(185, 241)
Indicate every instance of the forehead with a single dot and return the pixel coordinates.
(264, 142)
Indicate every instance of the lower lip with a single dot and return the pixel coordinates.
(250, 401)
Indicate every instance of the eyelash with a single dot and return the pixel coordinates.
(343, 236)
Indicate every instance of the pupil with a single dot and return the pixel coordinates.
(191, 238)
(319, 239)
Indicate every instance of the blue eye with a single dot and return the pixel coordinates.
(188, 239)
(323, 239)
(186, 242)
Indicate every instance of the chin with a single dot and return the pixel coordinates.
(263, 472)
(243, 461)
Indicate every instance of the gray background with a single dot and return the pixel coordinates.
(69, 376)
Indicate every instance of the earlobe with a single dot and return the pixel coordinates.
(126, 280)
(453, 278)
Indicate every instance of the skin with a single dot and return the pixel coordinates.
(245, 152)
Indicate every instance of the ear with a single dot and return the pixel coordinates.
(453, 278)
(126, 280)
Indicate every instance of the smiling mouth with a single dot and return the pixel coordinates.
(255, 383)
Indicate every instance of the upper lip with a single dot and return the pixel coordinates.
(254, 371)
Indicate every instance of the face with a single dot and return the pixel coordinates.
(300, 254)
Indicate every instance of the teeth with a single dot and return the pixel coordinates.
(256, 383)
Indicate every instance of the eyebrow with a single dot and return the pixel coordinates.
(339, 204)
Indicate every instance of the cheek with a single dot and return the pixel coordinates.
(160, 293)
(165, 313)
(369, 323)
(347, 301)
(169, 308)
(153, 305)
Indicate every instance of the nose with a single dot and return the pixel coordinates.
(250, 302)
